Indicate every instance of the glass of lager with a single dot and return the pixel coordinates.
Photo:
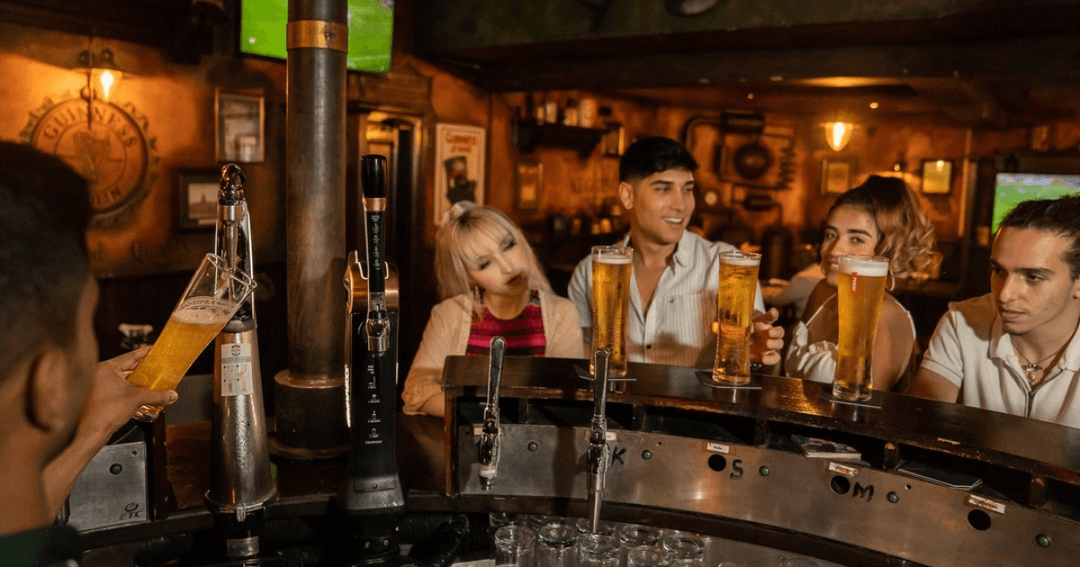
(610, 302)
(212, 297)
(735, 313)
(861, 287)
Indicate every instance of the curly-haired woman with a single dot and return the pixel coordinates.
(881, 217)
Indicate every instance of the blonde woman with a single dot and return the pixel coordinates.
(881, 217)
(491, 285)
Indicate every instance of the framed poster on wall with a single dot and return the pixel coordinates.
(459, 166)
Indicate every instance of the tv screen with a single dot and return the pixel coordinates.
(1010, 189)
(371, 27)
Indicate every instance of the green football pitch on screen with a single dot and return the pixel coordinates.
(371, 27)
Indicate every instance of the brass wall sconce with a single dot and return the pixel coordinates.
(102, 76)
(838, 134)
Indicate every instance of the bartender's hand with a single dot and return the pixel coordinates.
(766, 340)
(112, 403)
(113, 400)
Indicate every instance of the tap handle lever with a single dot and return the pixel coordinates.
(373, 182)
(231, 188)
(488, 446)
(598, 455)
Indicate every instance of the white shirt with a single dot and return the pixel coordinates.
(970, 350)
(817, 361)
(677, 330)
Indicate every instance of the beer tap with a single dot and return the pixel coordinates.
(487, 448)
(598, 453)
(371, 494)
(240, 480)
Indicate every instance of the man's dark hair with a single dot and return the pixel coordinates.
(44, 213)
(653, 155)
(1060, 216)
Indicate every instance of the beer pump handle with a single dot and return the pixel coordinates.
(488, 446)
(373, 182)
(597, 456)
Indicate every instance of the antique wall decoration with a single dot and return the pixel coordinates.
(239, 121)
(105, 143)
(459, 166)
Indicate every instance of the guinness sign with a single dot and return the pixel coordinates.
(109, 148)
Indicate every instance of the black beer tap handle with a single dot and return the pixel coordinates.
(373, 182)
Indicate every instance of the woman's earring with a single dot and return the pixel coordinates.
(478, 304)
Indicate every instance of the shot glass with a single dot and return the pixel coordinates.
(632, 536)
(684, 550)
(557, 546)
(647, 557)
(515, 545)
(598, 550)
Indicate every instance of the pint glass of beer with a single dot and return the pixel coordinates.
(735, 312)
(861, 287)
(212, 297)
(610, 302)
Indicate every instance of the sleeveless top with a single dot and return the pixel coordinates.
(524, 334)
(817, 361)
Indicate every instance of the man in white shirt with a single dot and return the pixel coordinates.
(1016, 349)
(675, 272)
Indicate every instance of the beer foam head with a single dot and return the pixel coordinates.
(740, 259)
(612, 254)
(875, 266)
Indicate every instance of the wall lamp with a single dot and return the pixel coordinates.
(102, 76)
(838, 134)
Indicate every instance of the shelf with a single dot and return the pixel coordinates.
(528, 135)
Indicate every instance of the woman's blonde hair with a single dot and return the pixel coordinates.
(907, 236)
(464, 223)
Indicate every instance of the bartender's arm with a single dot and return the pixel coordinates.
(112, 403)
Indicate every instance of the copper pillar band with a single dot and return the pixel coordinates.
(317, 34)
(375, 205)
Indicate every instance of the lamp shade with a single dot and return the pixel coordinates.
(838, 134)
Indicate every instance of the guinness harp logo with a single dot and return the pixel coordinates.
(109, 148)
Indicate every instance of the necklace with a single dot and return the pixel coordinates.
(1032, 367)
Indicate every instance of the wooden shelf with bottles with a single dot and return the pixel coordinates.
(529, 135)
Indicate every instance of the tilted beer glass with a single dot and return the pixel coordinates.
(610, 303)
(212, 296)
(861, 287)
(735, 313)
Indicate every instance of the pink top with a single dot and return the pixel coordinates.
(524, 334)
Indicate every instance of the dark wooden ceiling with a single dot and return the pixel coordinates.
(1005, 64)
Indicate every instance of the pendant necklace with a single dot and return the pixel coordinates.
(1032, 367)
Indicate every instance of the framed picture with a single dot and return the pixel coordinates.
(198, 190)
(836, 175)
(530, 175)
(936, 176)
(239, 122)
(614, 139)
(459, 166)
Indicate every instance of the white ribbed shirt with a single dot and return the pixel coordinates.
(972, 351)
(677, 330)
